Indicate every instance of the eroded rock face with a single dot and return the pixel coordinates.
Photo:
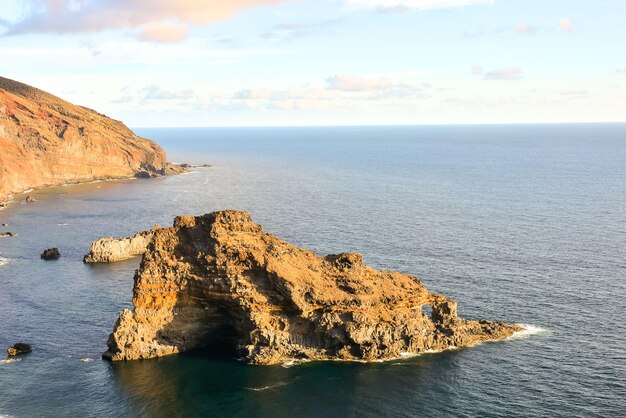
(220, 278)
(108, 250)
(46, 141)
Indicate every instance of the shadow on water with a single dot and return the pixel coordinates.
(210, 382)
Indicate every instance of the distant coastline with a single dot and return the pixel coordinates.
(46, 141)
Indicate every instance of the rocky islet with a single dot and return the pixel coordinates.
(108, 250)
(220, 279)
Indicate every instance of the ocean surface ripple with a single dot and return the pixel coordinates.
(523, 224)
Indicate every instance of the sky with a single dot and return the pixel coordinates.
(157, 63)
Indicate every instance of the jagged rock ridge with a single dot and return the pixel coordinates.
(220, 278)
(108, 250)
(46, 141)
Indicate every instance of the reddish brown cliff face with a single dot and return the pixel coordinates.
(219, 278)
(46, 141)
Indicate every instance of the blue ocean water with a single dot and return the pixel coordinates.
(524, 224)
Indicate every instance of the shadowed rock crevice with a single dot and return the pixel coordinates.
(219, 279)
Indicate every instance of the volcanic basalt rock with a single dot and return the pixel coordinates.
(50, 254)
(219, 278)
(108, 250)
(19, 348)
(46, 141)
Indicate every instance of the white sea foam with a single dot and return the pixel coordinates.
(264, 388)
(27, 191)
(63, 224)
(4, 261)
(86, 360)
(10, 360)
(527, 331)
(294, 362)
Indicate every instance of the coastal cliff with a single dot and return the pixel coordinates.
(108, 250)
(46, 141)
(220, 279)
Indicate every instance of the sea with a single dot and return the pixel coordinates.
(518, 223)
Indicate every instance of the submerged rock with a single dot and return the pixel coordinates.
(107, 250)
(19, 348)
(219, 278)
(51, 254)
(30, 199)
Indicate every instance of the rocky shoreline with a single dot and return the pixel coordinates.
(46, 141)
(219, 279)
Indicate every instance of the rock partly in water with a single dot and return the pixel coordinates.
(219, 279)
(19, 348)
(46, 141)
(7, 234)
(30, 199)
(51, 254)
(187, 165)
(107, 250)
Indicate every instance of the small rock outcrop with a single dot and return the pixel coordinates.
(30, 199)
(7, 234)
(219, 279)
(19, 348)
(108, 250)
(51, 254)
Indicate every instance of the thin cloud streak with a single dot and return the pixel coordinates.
(510, 73)
(402, 6)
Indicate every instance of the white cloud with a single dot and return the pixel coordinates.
(155, 92)
(406, 5)
(524, 29)
(355, 83)
(566, 24)
(509, 73)
(163, 32)
(72, 16)
(477, 69)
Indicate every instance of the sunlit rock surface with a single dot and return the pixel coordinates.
(219, 279)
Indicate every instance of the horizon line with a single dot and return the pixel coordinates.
(372, 125)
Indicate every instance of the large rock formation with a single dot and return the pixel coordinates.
(219, 278)
(46, 141)
(108, 250)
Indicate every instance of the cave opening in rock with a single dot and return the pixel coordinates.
(221, 336)
(215, 331)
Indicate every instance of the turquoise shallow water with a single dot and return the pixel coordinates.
(523, 224)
